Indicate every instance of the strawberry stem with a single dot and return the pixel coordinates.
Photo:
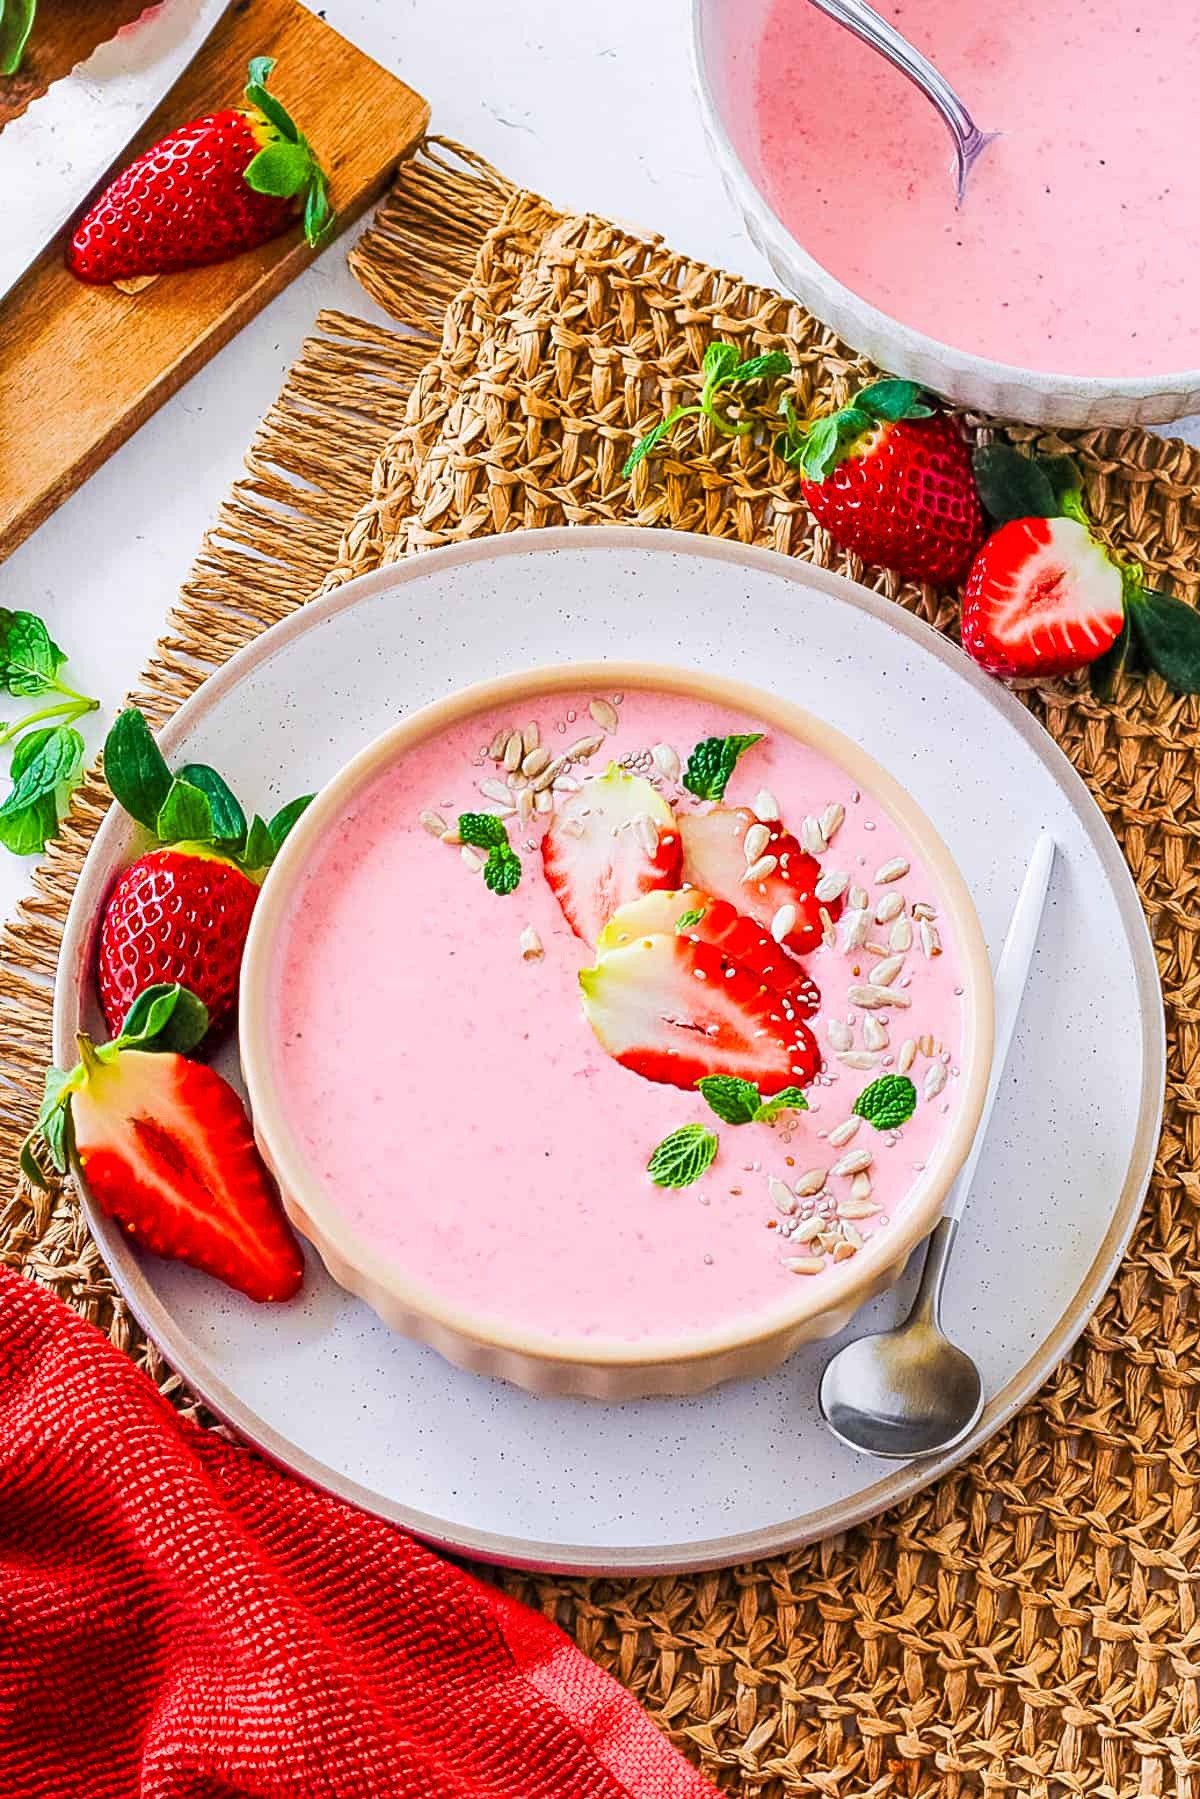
(286, 166)
(89, 1060)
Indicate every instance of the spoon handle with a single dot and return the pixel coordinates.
(926, 1305)
(1012, 974)
(870, 28)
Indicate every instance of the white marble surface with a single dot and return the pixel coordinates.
(591, 105)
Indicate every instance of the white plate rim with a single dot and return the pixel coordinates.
(896, 1485)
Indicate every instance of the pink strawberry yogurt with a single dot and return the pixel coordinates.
(1078, 246)
(450, 1095)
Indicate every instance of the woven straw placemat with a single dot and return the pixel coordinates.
(1028, 1625)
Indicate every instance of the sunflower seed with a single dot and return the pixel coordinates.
(870, 998)
(514, 749)
(543, 800)
(874, 1032)
(473, 858)
(843, 1251)
(804, 1265)
(536, 759)
(582, 748)
(666, 761)
(604, 713)
(831, 820)
(858, 1058)
(452, 835)
(766, 806)
(832, 885)
(923, 909)
(860, 1186)
(525, 800)
(754, 843)
(758, 871)
(900, 937)
(854, 929)
(531, 945)
(840, 1035)
(885, 972)
(935, 1079)
(784, 921)
(433, 822)
(497, 745)
(549, 774)
(907, 1056)
(857, 899)
(889, 907)
(849, 1128)
(857, 1208)
(853, 1162)
(498, 791)
(565, 784)
(931, 942)
(850, 1238)
(782, 1197)
(828, 934)
(812, 837)
(647, 833)
(810, 1182)
(895, 870)
(805, 1229)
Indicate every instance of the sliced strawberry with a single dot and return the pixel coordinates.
(1043, 598)
(722, 925)
(609, 843)
(673, 1009)
(714, 859)
(167, 1150)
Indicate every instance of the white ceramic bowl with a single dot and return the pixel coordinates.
(972, 381)
(589, 1367)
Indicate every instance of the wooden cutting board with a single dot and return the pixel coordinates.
(82, 367)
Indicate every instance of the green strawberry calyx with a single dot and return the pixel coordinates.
(166, 1018)
(1160, 634)
(816, 448)
(286, 166)
(193, 809)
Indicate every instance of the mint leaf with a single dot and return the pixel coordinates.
(482, 830)
(134, 768)
(733, 1100)
(29, 657)
(790, 1099)
(713, 761)
(285, 818)
(165, 1017)
(687, 919)
(502, 870)
(1013, 486)
(1167, 633)
(770, 366)
(29, 829)
(893, 401)
(654, 437)
(682, 1157)
(720, 359)
(887, 1103)
(228, 819)
(186, 815)
(259, 848)
(43, 763)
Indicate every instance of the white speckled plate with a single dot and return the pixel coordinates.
(323, 1386)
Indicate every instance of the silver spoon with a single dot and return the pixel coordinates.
(865, 23)
(910, 1391)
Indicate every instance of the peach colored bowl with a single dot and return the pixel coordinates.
(598, 1368)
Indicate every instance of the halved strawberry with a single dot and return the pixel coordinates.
(167, 1150)
(1043, 598)
(714, 859)
(612, 841)
(673, 1009)
(703, 919)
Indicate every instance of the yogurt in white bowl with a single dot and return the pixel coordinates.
(1063, 289)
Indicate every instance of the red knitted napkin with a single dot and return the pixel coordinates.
(180, 1620)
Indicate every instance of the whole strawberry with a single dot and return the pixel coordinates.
(206, 191)
(889, 477)
(180, 912)
(1045, 597)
